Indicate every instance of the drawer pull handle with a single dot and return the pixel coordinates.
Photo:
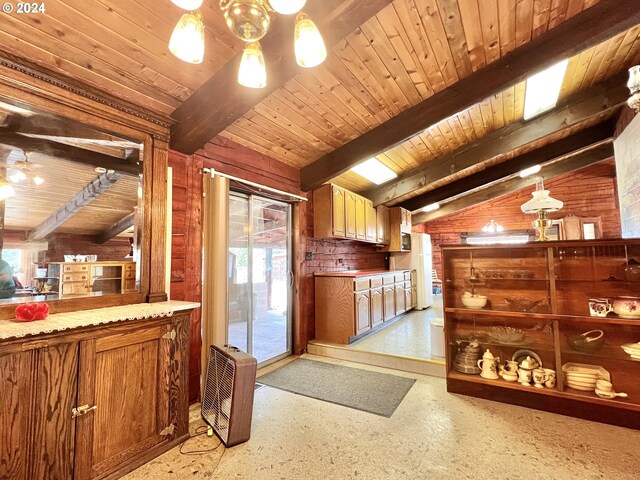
(83, 410)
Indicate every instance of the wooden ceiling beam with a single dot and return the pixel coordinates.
(582, 106)
(548, 152)
(116, 229)
(554, 168)
(88, 194)
(584, 30)
(221, 100)
(68, 152)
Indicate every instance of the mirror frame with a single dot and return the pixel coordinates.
(51, 93)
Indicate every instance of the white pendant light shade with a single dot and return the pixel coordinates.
(253, 72)
(541, 201)
(287, 7)
(309, 46)
(6, 190)
(18, 176)
(188, 4)
(187, 39)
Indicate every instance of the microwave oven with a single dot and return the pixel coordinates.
(405, 242)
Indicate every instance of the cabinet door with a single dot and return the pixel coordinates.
(400, 299)
(126, 376)
(38, 390)
(414, 297)
(388, 295)
(350, 214)
(377, 307)
(386, 238)
(362, 313)
(407, 299)
(361, 225)
(338, 215)
(370, 220)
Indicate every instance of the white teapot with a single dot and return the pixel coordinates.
(488, 363)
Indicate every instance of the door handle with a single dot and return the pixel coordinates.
(83, 410)
(291, 278)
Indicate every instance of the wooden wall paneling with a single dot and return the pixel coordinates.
(299, 251)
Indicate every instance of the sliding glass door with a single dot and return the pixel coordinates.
(259, 276)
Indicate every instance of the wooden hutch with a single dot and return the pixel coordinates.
(93, 395)
(559, 278)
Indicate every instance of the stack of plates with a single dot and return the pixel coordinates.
(467, 359)
(583, 377)
(632, 349)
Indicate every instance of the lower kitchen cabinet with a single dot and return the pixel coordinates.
(349, 305)
(93, 403)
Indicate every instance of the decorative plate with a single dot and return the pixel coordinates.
(521, 355)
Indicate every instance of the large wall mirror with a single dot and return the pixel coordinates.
(71, 201)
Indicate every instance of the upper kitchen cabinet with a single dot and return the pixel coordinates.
(399, 230)
(339, 213)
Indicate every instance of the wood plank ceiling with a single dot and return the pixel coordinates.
(404, 54)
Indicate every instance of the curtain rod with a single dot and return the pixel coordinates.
(253, 184)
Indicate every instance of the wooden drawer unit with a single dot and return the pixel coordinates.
(128, 274)
(361, 284)
(388, 279)
(75, 277)
(73, 267)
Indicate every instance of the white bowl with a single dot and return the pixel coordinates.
(626, 307)
(69, 258)
(475, 303)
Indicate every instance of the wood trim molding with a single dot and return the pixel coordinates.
(584, 30)
(23, 66)
(38, 89)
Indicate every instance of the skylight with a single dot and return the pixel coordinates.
(375, 171)
(543, 90)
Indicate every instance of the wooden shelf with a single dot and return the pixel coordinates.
(544, 316)
(590, 397)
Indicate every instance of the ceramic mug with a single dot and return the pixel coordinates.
(599, 307)
(524, 376)
(511, 366)
(539, 377)
(550, 382)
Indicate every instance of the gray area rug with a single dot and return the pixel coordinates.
(372, 392)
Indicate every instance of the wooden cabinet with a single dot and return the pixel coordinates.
(382, 225)
(363, 312)
(399, 225)
(370, 220)
(361, 225)
(352, 216)
(135, 374)
(377, 307)
(540, 292)
(86, 278)
(400, 298)
(38, 386)
(348, 306)
(389, 299)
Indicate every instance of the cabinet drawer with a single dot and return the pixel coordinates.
(130, 274)
(376, 282)
(407, 285)
(75, 277)
(361, 284)
(388, 279)
(407, 275)
(130, 266)
(399, 277)
(76, 268)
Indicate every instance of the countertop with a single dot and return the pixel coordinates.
(359, 273)
(58, 322)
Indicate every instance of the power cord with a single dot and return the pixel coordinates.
(199, 431)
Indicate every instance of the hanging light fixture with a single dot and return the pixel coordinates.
(541, 204)
(187, 39)
(252, 72)
(634, 87)
(17, 176)
(492, 227)
(6, 190)
(309, 46)
(248, 20)
(188, 4)
(287, 7)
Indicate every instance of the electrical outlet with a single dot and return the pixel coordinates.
(308, 256)
(340, 260)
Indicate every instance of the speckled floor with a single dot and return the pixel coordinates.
(432, 435)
